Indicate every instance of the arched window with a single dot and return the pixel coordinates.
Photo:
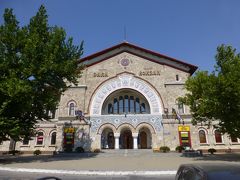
(234, 140)
(40, 138)
(120, 105)
(137, 106)
(202, 136)
(131, 104)
(115, 106)
(53, 138)
(110, 108)
(143, 109)
(71, 109)
(218, 137)
(126, 104)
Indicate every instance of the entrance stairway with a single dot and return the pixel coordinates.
(128, 152)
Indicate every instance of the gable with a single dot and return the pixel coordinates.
(140, 52)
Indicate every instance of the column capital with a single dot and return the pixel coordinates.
(116, 135)
(135, 135)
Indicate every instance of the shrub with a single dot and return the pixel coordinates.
(79, 150)
(212, 150)
(164, 149)
(37, 152)
(179, 148)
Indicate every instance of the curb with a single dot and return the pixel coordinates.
(91, 172)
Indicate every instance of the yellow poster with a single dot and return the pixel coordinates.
(183, 128)
(69, 130)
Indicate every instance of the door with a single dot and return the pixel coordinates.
(111, 140)
(127, 140)
(143, 140)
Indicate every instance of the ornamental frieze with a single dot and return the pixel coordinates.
(134, 120)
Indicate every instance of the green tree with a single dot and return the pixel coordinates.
(37, 64)
(216, 96)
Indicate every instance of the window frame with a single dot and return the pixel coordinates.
(50, 142)
(206, 137)
(182, 109)
(216, 139)
(238, 141)
(25, 144)
(43, 138)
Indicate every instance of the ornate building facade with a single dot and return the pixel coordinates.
(126, 98)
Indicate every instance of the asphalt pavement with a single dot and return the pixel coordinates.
(111, 164)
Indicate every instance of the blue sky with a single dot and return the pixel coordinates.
(187, 30)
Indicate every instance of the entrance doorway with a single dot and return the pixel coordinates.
(107, 139)
(143, 140)
(126, 139)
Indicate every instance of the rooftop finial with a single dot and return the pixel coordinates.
(125, 33)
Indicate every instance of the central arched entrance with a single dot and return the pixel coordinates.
(126, 139)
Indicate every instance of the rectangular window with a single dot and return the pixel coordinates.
(25, 141)
(180, 108)
(234, 139)
(126, 104)
(132, 104)
(120, 105)
(115, 106)
(40, 138)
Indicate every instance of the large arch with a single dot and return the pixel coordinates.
(149, 126)
(107, 125)
(126, 126)
(121, 81)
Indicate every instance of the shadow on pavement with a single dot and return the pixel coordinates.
(46, 158)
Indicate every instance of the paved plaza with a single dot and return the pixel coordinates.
(112, 160)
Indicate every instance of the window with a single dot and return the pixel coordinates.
(218, 137)
(177, 77)
(202, 136)
(53, 138)
(39, 138)
(143, 109)
(110, 109)
(234, 140)
(126, 104)
(25, 141)
(71, 109)
(180, 107)
(131, 104)
(120, 105)
(115, 106)
(137, 106)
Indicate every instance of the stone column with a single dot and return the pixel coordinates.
(116, 136)
(135, 138)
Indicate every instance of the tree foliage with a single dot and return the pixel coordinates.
(37, 62)
(216, 96)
